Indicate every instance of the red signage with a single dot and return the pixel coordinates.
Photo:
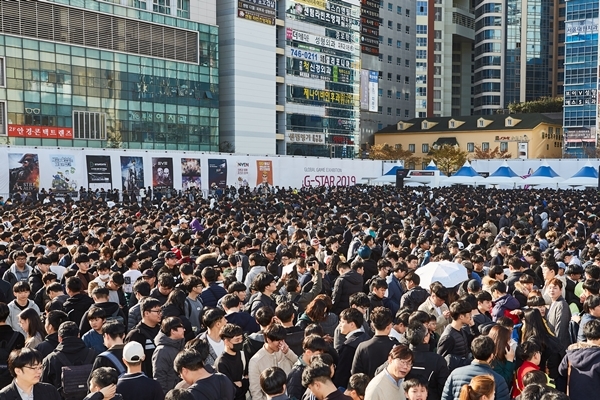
(40, 132)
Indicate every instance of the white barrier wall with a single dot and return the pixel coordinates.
(67, 169)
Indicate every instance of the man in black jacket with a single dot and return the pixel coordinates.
(146, 330)
(312, 344)
(113, 333)
(72, 347)
(25, 367)
(455, 343)
(416, 295)
(374, 352)
(111, 309)
(265, 285)
(53, 320)
(78, 302)
(351, 321)
(348, 283)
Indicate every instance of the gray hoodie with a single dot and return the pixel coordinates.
(163, 359)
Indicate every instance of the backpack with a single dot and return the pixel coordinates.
(116, 317)
(74, 378)
(113, 359)
(5, 349)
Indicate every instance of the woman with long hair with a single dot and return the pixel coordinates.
(504, 355)
(481, 387)
(31, 323)
(536, 329)
(176, 307)
(319, 312)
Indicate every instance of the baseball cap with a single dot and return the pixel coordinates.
(148, 273)
(170, 254)
(133, 352)
(314, 242)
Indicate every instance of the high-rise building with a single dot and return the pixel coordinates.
(516, 52)
(581, 78)
(127, 73)
(444, 50)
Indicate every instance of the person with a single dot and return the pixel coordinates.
(212, 292)
(591, 311)
(21, 302)
(135, 384)
(272, 383)
(480, 388)
(265, 286)
(169, 341)
(504, 355)
(414, 389)
(193, 303)
(103, 384)
(112, 310)
(141, 290)
(176, 307)
(482, 348)
(481, 315)
(531, 354)
(213, 319)
(311, 345)
(51, 324)
(317, 378)
(351, 321)
(146, 330)
(113, 333)
(436, 305)
(25, 367)
(78, 302)
(559, 314)
(93, 338)
(274, 353)
(12, 340)
(348, 283)
(231, 303)
(415, 295)
(189, 364)
(388, 384)
(581, 364)
(30, 322)
(231, 362)
(372, 353)
(504, 303)
(455, 340)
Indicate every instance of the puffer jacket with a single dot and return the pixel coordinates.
(75, 351)
(135, 316)
(584, 361)
(414, 298)
(462, 376)
(504, 304)
(345, 285)
(162, 361)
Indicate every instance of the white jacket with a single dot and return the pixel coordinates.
(13, 317)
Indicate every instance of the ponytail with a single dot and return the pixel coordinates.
(482, 385)
(466, 393)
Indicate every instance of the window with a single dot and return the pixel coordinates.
(389, 41)
(480, 123)
(421, 29)
(380, 57)
(425, 148)
(503, 146)
(398, 27)
(390, 24)
(389, 76)
(407, 80)
(389, 111)
(3, 119)
(380, 110)
(399, 78)
(422, 42)
(2, 73)
(380, 39)
(407, 12)
(485, 146)
(162, 6)
(389, 59)
(183, 8)
(509, 121)
(141, 4)
(399, 10)
(406, 114)
(407, 29)
(411, 148)
(470, 147)
(452, 124)
(390, 6)
(380, 92)
(406, 96)
(407, 63)
(421, 8)
(437, 16)
(398, 112)
(398, 95)
(89, 125)
(398, 61)
(399, 44)
(437, 34)
(407, 46)
(389, 94)
(381, 3)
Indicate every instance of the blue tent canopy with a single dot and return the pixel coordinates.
(586, 172)
(393, 170)
(544, 171)
(466, 170)
(504, 171)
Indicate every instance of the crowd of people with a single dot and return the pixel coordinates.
(310, 293)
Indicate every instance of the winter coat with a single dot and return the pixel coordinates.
(111, 310)
(212, 294)
(463, 375)
(414, 298)
(212, 356)
(259, 300)
(454, 346)
(13, 317)
(172, 310)
(40, 391)
(11, 275)
(75, 351)
(431, 368)
(558, 317)
(442, 321)
(504, 304)
(162, 361)
(346, 353)
(371, 354)
(584, 379)
(345, 285)
(35, 282)
(135, 316)
(77, 305)
(585, 318)
(394, 294)
(48, 345)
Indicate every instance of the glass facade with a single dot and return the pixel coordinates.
(581, 78)
(110, 98)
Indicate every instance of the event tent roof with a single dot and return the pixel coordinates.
(544, 175)
(503, 175)
(586, 176)
(466, 175)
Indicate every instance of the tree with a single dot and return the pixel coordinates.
(114, 139)
(541, 105)
(448, 158)
(387, 152)
(489, 154)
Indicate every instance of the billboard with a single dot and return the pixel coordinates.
(132, 173)
(23, 172)
(217, 173)
(64, 174)
(99, 172)
(191, 173)
(162, 173)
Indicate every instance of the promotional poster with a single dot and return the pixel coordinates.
(162, 173)
(132, 173)
(99, 172)
(63, 174)
(191, 173)
(217, 173)
(264, 172)
(24, 172)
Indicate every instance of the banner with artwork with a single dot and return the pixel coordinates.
(217, 173)
(99, 172)
(132, 173)
(264, 172)
(64, 180)
(190, 173)
(24, 172)
(162, 173)
(243, 174)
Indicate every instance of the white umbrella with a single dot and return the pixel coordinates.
(447, 273)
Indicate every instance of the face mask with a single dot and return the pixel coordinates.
(237, 347)
(104, 277)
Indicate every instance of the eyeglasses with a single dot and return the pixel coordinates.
(156, 311)
(34, 367)
(405, 363)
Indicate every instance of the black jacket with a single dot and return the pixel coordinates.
(345, 285)
(455, 347)
(111, 309)
(429, 367)
(76, 306)
(414, 298)
(40, 391)
(144, 335)
(75, 351)
(35, 281)
(48, 345)
(346, 355)
(259, 300)
(371, 354)
(6, 334)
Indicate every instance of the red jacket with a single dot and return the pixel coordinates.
(526, 367)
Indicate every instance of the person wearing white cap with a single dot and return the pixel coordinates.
(135, 384)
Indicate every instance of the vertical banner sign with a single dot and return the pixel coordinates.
(162, 173)
(63, 174)
(24, 172)
(373, 91)
(217, 173)
(243, 171)
(99, 170)
(190, 173)
(264, 172)
(364, 89)
(132, 173)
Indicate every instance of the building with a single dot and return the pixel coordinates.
(444, 52)
(517, 56)
(581, 78)
(138, 75)
(522, 135)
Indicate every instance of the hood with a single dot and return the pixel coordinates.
(353, 277)
(13, 268)
(584, 356)
(52, 338)
(507, 301)
(79, 301)
(109, 307)
(71, 345)
(163, 339)
(305, 317)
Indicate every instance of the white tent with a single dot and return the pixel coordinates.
(466, 175)
(586, 176)
(544, 175)
(504, 175)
